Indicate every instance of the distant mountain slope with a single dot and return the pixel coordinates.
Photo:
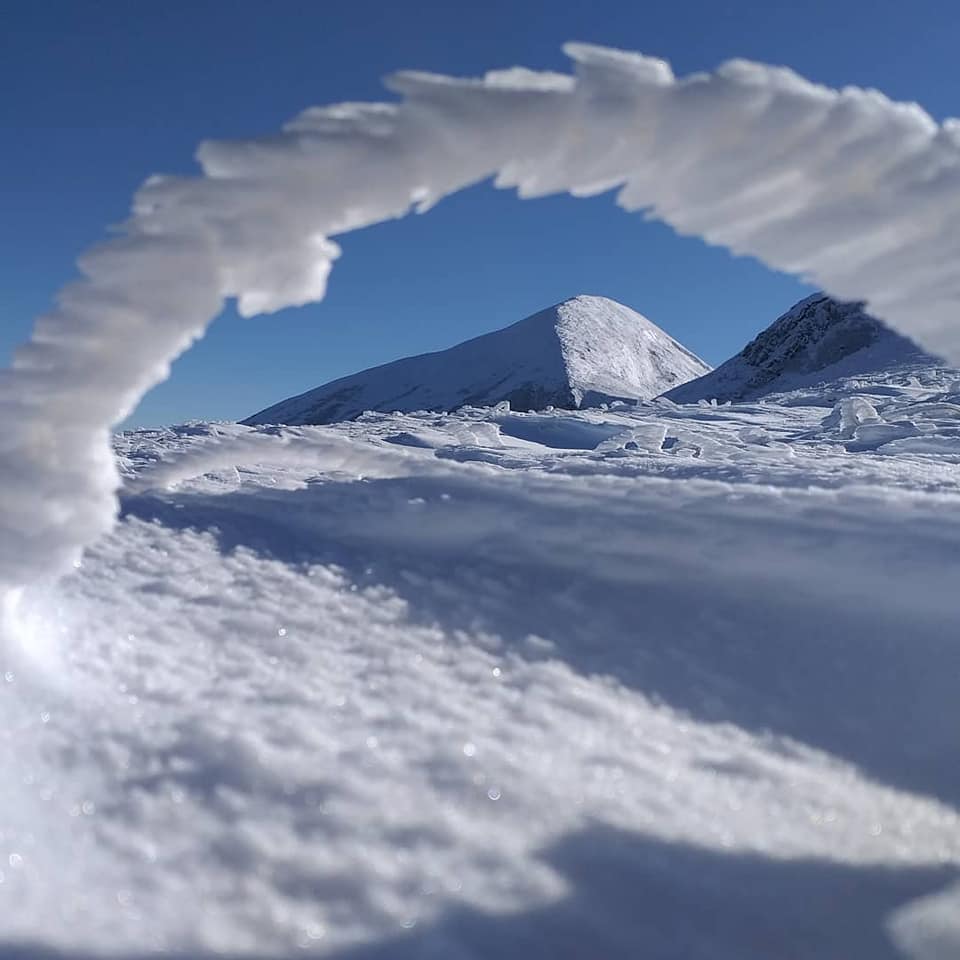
(578, 353)
(818, 340)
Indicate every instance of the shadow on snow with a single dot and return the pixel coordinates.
(630, 895)
(820, 620)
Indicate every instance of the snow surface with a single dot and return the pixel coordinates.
(817, 341)
(578, 353)
(646, 681)
(847, 188)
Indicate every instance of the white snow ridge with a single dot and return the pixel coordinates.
(846, 188)
(578, 353)
(643, 679)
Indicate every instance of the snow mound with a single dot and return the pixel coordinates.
(818, 340)
(578, 353)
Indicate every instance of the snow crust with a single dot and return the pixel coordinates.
(847, 188)
(652, 680)
(581, 352)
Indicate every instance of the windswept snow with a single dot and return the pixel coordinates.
(651, 680)
(578, 353)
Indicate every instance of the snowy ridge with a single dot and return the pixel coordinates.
(654, 680)
(818, 340)
(580, 352)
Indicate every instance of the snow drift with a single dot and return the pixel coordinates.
(844, 187)
(578, 353)
(818, 340)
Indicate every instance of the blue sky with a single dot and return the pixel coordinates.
(97, 96)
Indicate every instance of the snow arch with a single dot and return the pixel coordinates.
(845, 188)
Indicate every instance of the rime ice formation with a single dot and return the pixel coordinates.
(847, 188)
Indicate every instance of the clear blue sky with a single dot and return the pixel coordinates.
(99, 95)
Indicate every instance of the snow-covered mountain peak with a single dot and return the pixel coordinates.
(580, 352)
(818, 340)
(612, 351)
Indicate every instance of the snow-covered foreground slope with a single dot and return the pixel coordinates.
(817, 341)
(664, 682)
(578, 353)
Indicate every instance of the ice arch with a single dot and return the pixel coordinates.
(845, 188)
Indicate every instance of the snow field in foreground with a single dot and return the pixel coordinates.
(684, 688)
